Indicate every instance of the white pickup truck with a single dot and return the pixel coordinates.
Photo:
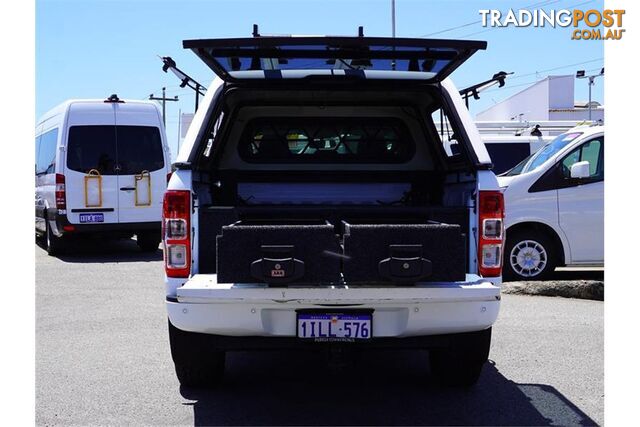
(315, 205)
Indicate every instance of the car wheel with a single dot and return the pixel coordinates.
(41, 238)
(53, 244)
(148, 241)
(460, 364)
(529, 256)
(197, 361)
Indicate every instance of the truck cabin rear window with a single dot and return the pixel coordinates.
(115, 150)
(326, 140)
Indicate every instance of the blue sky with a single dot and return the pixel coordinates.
(90, 49)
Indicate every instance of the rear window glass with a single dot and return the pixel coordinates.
(326, 140)
(92, 147)
(124, 150)
(139, 149)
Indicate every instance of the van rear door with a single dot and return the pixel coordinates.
(91, 178)
(142, 176)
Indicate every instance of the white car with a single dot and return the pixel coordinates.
(101, 168)
(315, 205)
(555, 206)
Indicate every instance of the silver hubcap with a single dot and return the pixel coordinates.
(528, 258)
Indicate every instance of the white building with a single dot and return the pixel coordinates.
(549, 99)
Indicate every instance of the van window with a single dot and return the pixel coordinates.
(590, 151)
(92, 147)
(326, 140)
(46, 152)
(139, 149)
(126, 150)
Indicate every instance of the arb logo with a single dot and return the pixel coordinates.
(277, 271)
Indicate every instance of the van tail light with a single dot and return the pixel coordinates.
(491, 233)
(61, 194)
(176, 215)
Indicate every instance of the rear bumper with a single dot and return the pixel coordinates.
(202, 305)
(60, 221)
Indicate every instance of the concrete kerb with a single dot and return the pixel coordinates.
(581, 289)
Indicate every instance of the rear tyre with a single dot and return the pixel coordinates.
(148, 241)
(529, 255)
(198, 362)
(460, 364)
(53, 244)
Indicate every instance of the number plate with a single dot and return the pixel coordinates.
(91, 217)
(328, 327)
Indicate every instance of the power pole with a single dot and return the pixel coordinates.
(164, 100)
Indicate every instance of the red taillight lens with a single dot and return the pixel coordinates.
(491, 233)
(61, 195)
(176, 215)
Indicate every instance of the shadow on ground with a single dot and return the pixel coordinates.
(382, 388)
(88, 250)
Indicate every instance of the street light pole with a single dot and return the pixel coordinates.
(591, 82)
(581, 74)
(393, 18)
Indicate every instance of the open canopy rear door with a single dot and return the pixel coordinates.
(433, 59)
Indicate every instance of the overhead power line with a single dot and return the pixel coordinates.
(468, 24)
(519, 76)
(529, 83)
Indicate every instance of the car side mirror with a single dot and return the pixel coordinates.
(580, 170)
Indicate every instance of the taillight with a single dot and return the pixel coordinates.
(176, 214)
(61, 196)
(491, 233)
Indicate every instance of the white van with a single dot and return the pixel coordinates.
(555, 206)
(101, 168)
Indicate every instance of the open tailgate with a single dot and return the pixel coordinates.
(432, 59)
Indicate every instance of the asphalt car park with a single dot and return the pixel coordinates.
(102, 357)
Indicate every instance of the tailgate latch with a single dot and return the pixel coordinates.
(277, 265)
(405, 265)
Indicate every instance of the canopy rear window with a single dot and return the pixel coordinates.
(326, 140)
(438, 58)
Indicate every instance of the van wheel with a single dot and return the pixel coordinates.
(54, 245)
(198, 362)
(529, 256)
(148, 241)
(460, 364)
